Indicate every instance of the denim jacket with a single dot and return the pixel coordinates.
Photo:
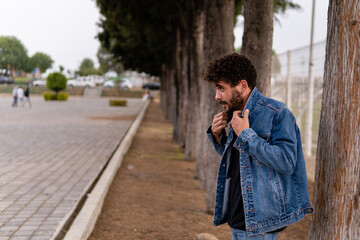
(272, 168)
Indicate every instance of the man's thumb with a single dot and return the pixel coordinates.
(246, 114)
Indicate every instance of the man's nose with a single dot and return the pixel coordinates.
(217, 95)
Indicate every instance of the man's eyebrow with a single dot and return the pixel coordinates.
(218, 85)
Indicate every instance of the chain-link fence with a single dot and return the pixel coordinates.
(290, 84)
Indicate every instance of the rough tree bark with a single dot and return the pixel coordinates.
(218, 41)
(196, 72)
(337, 180)
(181, 59)
(257, 39)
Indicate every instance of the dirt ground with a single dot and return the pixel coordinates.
(155, 196)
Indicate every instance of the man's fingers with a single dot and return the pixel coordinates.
(222, 124)
(220, 117)
(220, 114)
(236, 114)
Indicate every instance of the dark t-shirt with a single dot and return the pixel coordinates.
(236, 216)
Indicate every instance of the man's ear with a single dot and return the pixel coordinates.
(242, 86)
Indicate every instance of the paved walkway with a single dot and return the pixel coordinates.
(49, 156)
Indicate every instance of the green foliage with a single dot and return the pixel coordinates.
(56, 82)
(280, 6)
(41, 61)
(108, 62)
(142, 33)
(13, 53)
(118, 92)
(87, 68)
(62, 96)
(61, 68)
(49, 96)
(118, 102)
(86, 63)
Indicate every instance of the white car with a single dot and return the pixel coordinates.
(96, 78)
(39, 83)
(81, 82)
(124, 84)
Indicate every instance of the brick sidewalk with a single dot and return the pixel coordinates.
(49, 156)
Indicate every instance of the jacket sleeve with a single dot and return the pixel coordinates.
(281, 151)
(219, 147)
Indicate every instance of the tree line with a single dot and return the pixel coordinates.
(177, 39)
(14, 56)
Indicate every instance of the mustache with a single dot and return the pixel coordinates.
(222, 102)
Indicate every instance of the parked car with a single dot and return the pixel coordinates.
(97, 79)
(6, 79)
(39, 82)
(151, 86)
(81, 82)
(124, 83)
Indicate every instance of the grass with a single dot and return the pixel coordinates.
(117, 92)
(176, 155)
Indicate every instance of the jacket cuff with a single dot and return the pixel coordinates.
(212, 139)
(244, 136)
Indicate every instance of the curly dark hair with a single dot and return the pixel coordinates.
(232, 69)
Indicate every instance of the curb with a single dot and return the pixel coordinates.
(85, 221)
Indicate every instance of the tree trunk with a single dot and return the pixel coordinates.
(183, 88)
(195, 73)
(337, 180)
(218, 41)
(178, 88)
(257, 40)
(164, 89)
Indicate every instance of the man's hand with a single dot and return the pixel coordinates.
(238, 123)
(218, 124)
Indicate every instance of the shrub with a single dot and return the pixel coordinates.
(48, 96)
(62, 96)
(56, 82)
(117, 102)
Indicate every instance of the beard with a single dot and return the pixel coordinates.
(236, 103)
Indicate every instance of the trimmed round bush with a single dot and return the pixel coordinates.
(56, 82)
(48, 96)
(118, 102)
(62, 96)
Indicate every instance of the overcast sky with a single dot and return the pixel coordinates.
(294, 28)
(66, 29)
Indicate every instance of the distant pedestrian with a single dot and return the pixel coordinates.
(20, 95)
(27, 97)
(148, 95)
(15, 97)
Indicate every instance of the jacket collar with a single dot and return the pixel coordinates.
(252, 101)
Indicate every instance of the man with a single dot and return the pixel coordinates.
(262, 183)
(20, 95)
(27, 97)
